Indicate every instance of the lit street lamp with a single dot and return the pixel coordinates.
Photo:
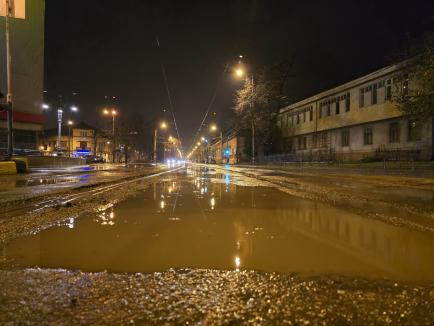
(60, 112)
(215, 128)
(70, 124)
(113, 113)
(240, 72)
(162, 126)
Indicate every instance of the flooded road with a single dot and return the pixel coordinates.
(203, 219)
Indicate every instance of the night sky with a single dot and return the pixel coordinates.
(104, 47)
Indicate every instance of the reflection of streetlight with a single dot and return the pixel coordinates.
(163, 126)
(237, 263)
(113, 113)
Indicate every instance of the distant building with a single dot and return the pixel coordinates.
(76, 141)
(27, 46)
(357, 120)
(232, 152)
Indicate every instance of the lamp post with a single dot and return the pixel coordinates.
(60, 112)
(239, 73)
(113, 113)
(9, 106)
(70, 124)
(214, 128)
(162, 126)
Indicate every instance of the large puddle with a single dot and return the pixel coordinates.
(207, 220)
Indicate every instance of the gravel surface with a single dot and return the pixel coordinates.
(209, 297)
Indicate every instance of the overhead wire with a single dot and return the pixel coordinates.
(169, 95)
(211, 103)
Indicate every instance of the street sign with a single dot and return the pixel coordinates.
(18, 8)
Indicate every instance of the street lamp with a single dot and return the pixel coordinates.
(162, 126)
(70, 124)
(59, 124)
(60, 111)
(214, 128)
(113, 113)
(239, 73)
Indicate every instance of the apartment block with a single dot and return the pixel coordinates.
(358, 120)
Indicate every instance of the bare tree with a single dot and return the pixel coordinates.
(419, 99)
(259, 101)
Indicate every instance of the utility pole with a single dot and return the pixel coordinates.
(9, 82)
(114, 138)
(155, 145)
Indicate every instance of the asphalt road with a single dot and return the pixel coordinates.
(215, 245)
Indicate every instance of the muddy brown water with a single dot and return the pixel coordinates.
(204, 219)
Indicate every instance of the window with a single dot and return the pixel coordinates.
(304, 116)
(394, 132)
(328, 109)
(374, 94)
(337, 106)
(367, 136)
(83, 144)
(323, 139)
(314, 141)
(299, 142)
(310, 114)
(304, 142)
(298, 119)
(347, 102)
(388, 90)
(83, 134)
(345, 138)
(362, 98)
(405, 85)
(414, 128)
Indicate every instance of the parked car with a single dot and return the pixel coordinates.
(94, 159)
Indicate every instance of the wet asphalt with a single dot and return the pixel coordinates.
(215, 246)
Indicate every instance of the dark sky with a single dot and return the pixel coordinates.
(105, 47)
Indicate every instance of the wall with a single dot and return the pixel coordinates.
(27, 42)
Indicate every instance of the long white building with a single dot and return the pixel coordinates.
(358, 120)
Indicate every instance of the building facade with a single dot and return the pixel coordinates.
(76, 141)
(27, 56)
(230, 150)
(358, 120)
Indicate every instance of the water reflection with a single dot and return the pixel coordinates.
(174, 224)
